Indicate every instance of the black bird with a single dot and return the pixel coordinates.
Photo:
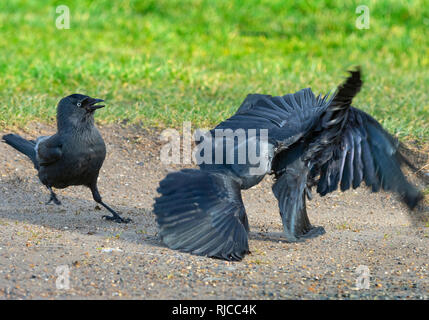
(312, 141)
(74, 155)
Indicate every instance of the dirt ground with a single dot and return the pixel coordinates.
(106, 260)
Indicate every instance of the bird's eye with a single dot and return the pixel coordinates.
(79, 104)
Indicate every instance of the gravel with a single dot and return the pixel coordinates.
(105, 260)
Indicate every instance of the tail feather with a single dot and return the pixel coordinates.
(335, 117)
(22, 145)
(338, 109)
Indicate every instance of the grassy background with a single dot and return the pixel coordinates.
(162, 62)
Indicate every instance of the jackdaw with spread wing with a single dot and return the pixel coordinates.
(74, 155)
(320, 142)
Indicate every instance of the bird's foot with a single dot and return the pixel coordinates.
(313, 233)
(54, 199)
(117, 219)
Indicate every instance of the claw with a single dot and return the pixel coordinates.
(314, 232)
(53, 199)
(117, 219)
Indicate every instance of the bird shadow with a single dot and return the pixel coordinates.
(24, 201)
(268, 236)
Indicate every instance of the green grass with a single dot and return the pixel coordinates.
(162, 62)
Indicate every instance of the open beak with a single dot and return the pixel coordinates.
(92, 104)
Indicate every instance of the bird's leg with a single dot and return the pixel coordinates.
(289, 190)
(297, 226)
(116, 217)
(53, 197)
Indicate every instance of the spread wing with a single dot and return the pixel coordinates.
(366, 152)
(287, 118)
(202, 213)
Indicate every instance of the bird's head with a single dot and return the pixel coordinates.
(77, 109)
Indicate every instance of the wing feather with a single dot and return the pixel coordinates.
(202, 213)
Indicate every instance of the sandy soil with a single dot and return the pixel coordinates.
(108, 260)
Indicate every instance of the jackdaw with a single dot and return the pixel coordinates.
(320, 142)
(74, 155)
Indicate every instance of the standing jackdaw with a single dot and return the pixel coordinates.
(74, 155)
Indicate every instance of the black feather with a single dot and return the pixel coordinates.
(202, 213)
(24, 146)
